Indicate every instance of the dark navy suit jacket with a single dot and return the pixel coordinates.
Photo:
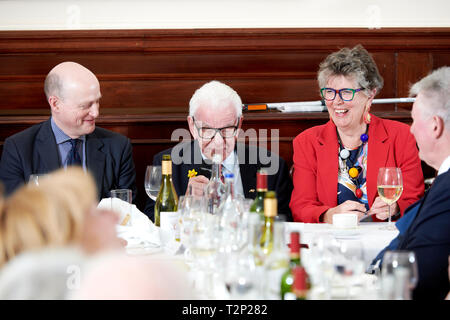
(429, 237)
(34, 151)
(251, 159)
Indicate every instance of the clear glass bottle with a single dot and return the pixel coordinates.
(261, 189)
(276, 263)
(247, 282)
(166, 214)
(215, 189)
(229, 218)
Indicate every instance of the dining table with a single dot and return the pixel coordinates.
(372, 236)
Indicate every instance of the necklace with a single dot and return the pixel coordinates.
(353, 171)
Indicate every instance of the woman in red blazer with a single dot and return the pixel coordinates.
(324, 185)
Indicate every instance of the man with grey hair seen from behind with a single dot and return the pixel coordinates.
(424, 228)
(215, 118)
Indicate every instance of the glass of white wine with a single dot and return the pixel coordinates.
(152, 181)
(390, 188)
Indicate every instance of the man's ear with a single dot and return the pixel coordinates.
(241, 118)
(192, 129)
(53, 101)
(437, 126)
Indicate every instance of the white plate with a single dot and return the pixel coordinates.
(141, 250)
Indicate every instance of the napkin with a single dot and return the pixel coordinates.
(140, 226)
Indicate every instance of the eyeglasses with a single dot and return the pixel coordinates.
(210, 133)
(346, 94)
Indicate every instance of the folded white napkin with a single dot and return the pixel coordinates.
(140, 228)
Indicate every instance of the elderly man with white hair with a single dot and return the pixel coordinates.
(424, 228)
(215, 117)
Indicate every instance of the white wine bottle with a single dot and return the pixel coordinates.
(270, 212)
(166, 215)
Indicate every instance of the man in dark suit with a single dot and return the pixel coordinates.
(425, 226)
(215, 118)
(70, 137)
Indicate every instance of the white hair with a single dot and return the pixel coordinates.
(436, 86)
(215, 94)
(44, 274)
(113, 275)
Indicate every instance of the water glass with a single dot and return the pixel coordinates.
(121, 202)
(399, 275)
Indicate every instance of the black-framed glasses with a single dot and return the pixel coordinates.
(346, 94)
(209, 133)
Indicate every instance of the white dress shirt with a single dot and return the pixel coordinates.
(444, 166)
(231, 165)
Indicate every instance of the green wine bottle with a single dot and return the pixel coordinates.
(287, 280)
(270, 212)
(261, 189)
(301, 285)
(166, 215)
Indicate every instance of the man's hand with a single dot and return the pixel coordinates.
(197, 186)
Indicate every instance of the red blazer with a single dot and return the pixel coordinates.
(316, 167)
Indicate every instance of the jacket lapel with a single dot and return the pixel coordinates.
(48, 155)
(248, 173)
(95, 160)
(378, 155)
(327, 170)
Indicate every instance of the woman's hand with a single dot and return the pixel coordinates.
(381, 210)
(348, 206)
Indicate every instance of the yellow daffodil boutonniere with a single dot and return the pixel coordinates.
(192, 173)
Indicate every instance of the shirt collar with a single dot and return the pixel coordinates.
(60, 136)
(444, 166)
(229, 162)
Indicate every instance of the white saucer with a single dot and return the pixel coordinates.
(346, 233)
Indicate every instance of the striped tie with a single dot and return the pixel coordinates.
(222, 168)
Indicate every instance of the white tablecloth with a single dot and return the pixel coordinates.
(372, 237)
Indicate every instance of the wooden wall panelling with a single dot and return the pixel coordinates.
(148, 76)
(411, 67)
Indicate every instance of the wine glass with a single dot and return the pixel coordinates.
(399, 274)
(34, 178)
(152, 181)
(204, 246)
(121, 203)
(190, 210)
(390, 188)
(349, 264)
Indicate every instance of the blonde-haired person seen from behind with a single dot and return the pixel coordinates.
(56, 213)
(61, 215)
